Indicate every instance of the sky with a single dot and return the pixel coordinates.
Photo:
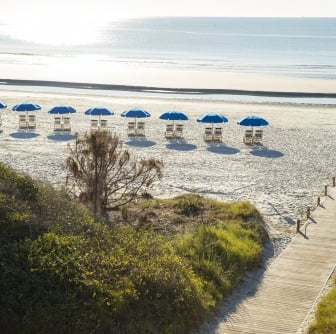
(112, 9)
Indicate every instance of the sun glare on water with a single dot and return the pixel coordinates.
(55, 30)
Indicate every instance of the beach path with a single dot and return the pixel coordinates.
(284, 297)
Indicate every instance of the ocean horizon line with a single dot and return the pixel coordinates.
(162, 90)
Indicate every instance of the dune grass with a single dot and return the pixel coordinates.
(220, 255)
(325, 315)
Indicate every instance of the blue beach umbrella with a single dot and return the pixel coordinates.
(62, 109)
(99, 111)
(174, 116)
(212, 118)
(135, 113)
(26, 106)
(252, 121)
(2, 105)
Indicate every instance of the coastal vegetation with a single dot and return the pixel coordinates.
(325, 315)
(151, 266)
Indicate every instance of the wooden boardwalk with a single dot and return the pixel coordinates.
(290, 286)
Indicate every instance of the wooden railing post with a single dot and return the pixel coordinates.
(308, 212)
(298, 223)
(334, 181)
(325, 190)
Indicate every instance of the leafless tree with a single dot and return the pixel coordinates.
(104, 174)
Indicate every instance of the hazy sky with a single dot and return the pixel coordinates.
(112, 9)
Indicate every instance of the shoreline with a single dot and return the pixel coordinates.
(165, 90)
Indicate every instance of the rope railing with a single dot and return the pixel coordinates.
(308, 211)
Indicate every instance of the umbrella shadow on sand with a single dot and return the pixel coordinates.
(24, 135)
(140, 142)
(180, 145)
(222, 149)
(264, 152)
(61, 136)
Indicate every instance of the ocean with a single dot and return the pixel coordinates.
(298, 47)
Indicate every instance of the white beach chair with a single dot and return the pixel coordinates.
(258, 136)
(131, 128)
(23, 124)
(169, 133)
(208, 134)
(248, 137)
(66, 123)
(94, 124)
(218, 134)
(140, 130)
(57, 123)
(31, 121)
(103, 123)
(178, 131)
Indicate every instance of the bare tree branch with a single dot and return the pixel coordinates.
(105, 174)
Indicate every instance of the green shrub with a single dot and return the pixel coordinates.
(42, 290)
(164, 286)
(33, 215)
(56, 211)
(19, 185)
(124, 282)
(16, 219)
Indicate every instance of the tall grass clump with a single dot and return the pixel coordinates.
(189, 205)
(220, 255)
(325, 315)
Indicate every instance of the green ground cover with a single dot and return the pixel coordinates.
(157, 266)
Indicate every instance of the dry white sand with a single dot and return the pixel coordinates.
(282, 178)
